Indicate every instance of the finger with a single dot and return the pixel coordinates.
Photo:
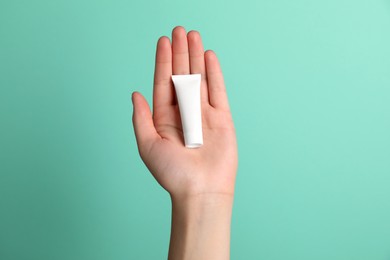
(215, 82)
(197, 65)
(180, 59)
(144, 129)
(163, 93)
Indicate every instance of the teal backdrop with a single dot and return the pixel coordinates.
(309, 87)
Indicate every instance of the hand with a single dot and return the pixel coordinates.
(200, 181)
(183, 172)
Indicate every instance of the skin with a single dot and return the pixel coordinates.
(200, 181)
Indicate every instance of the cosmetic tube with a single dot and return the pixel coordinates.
(187, 89)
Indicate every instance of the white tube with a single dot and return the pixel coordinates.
(188, 96)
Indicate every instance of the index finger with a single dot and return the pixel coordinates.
(163, 93)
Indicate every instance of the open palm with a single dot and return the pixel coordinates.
(182, 171)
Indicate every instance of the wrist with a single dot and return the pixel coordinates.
(202, 201)
(199, 223)
(202, 210)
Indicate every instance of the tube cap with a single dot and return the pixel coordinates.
(193, 139)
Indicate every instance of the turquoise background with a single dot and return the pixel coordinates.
(309, 87)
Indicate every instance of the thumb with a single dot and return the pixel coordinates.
(144, 129)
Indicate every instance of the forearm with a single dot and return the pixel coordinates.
(201, 227)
